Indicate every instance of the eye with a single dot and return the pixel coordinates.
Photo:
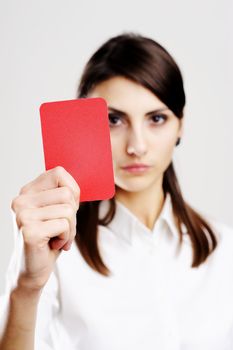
(113, 118)
(159, 118)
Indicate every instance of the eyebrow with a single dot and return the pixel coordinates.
(148, 113)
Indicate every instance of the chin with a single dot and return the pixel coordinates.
(132, 185)
(137, 183)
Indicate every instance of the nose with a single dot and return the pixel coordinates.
(136, 141)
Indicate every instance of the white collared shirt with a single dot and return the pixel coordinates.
(152, 300)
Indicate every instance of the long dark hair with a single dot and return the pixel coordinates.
(146, 62)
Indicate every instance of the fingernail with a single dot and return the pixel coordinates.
(69, 245)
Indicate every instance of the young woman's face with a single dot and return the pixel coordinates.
(142, 130)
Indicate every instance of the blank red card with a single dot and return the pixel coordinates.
(76, 135)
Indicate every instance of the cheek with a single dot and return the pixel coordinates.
(117, 146)
(163, 146)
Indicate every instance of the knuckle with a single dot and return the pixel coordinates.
(69, 211)
(58, 170)
(67, 194)
(21, 217)
(27, 233)
(20, 202)
(78, 190)
(17, 203)
(14, 203)
(23, 189)
(65, 224)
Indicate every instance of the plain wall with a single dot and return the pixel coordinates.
(44, 46)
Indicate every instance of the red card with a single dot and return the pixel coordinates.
(76, 135)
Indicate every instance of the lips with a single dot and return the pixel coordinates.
(136, 166)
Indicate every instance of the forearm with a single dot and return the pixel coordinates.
(21, 320)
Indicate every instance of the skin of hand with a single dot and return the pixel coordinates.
(46, 216)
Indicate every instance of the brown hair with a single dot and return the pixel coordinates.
(146, 62)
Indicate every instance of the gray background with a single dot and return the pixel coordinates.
(44, 46)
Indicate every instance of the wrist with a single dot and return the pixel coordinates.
(27, 287)
(22, 310)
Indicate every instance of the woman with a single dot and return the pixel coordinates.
(145, 270)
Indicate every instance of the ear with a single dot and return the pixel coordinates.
(181, 127)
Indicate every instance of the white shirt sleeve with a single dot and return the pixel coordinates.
(49, 332)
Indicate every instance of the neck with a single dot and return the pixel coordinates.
(145, 205)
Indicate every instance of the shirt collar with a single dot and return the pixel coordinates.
(126, 224)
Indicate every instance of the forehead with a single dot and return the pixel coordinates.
(126, 95)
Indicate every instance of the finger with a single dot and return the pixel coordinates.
(55, 177)
(67, 245)
(39, 233)
(59, 244)
(44, 213)
(57, 195)
(25, 216)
